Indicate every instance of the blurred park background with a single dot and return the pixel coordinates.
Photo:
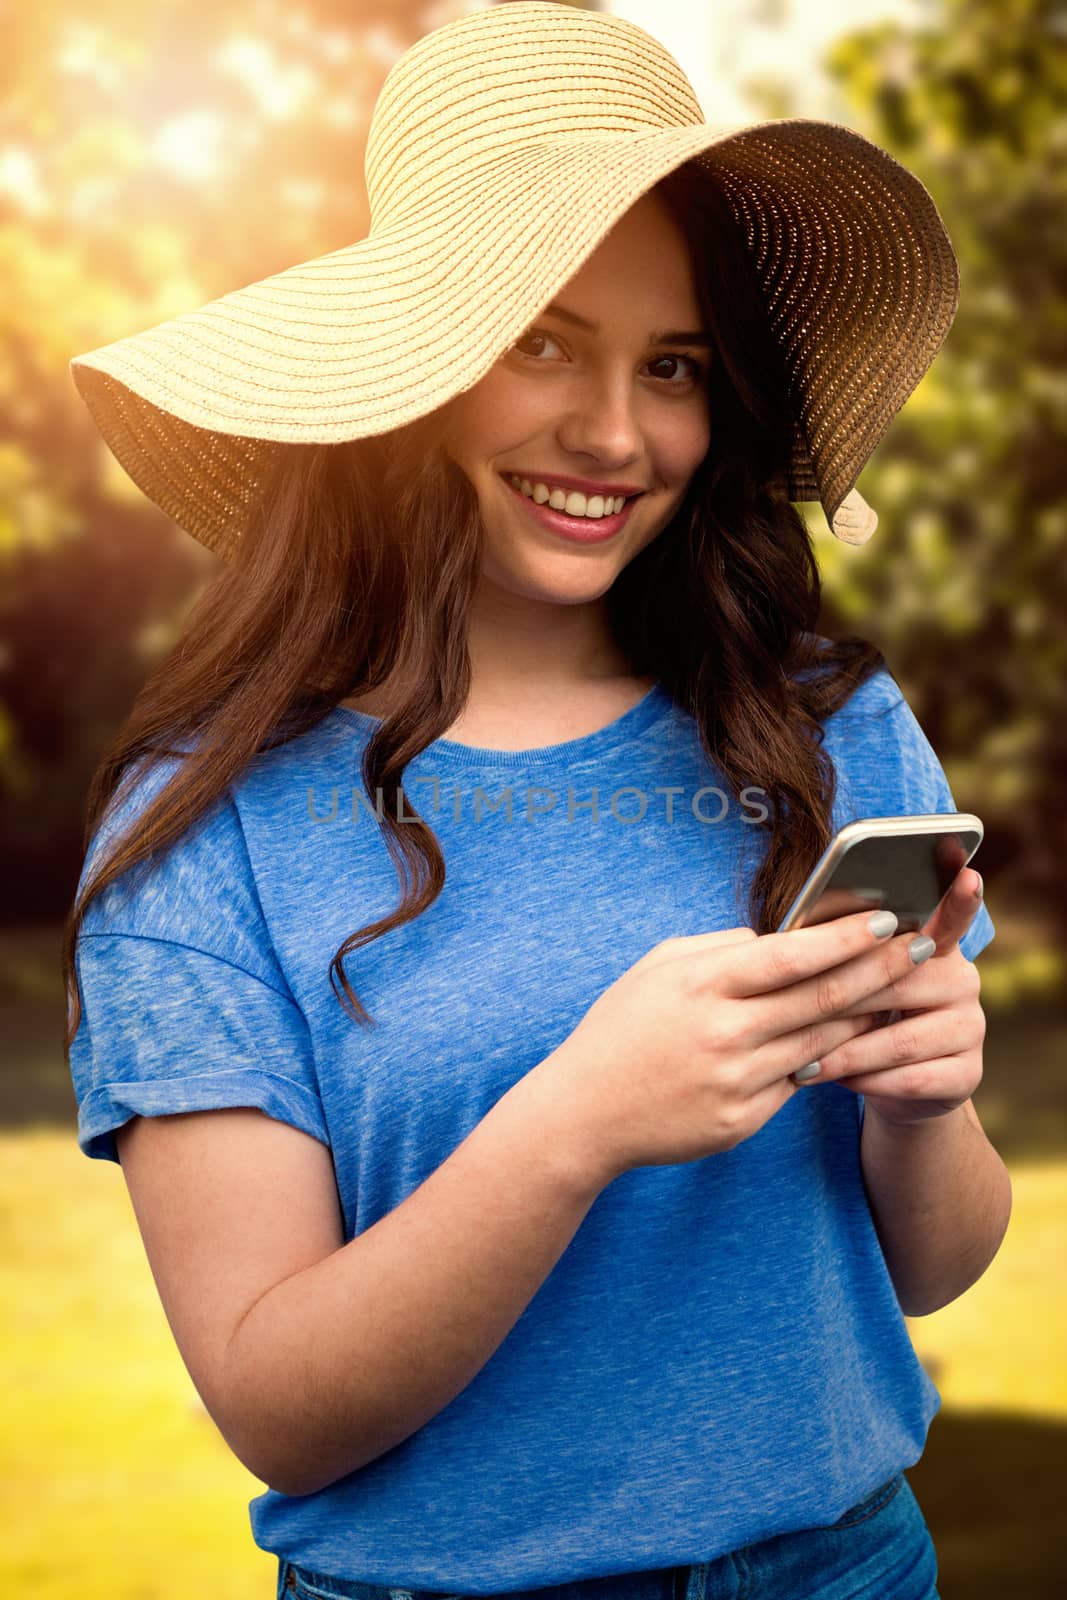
(155, 156)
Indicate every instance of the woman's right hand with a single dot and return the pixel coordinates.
(690, 1051)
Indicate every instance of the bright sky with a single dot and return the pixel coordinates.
(721, 43)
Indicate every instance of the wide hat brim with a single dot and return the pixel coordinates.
(854, 263)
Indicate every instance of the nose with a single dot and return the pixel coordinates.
(603, 422)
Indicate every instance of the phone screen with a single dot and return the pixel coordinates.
(904, 873)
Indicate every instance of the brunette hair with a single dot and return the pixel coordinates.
(361, 561)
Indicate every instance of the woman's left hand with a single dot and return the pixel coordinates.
(925, 1060)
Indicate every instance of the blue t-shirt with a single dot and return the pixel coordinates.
(719, 1355)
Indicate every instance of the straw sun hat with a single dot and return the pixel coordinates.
(503, 147)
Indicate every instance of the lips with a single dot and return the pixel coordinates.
(577, 530)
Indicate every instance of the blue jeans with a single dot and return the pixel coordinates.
(879, 1550)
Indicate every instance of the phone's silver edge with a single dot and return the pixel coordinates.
(928, 822)
(868, 827)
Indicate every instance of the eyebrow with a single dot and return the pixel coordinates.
(673, 337)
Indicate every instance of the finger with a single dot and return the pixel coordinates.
(780, 960)
(833, 903)
(768, 1101)
(939, 982)
(781, 1057)
(830, 992)
(924, 986)
(941, 1084)
(956, 910)
(916, 1038)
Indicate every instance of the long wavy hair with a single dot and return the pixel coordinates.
(361, 562)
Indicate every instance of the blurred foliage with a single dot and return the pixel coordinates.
(965, 582)
(154, 157)
(151, 158)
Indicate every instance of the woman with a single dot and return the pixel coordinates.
(566, 1238)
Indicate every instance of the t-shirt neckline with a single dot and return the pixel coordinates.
(647, 712)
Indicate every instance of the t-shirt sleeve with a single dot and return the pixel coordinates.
(184, 1004)
(887, 767)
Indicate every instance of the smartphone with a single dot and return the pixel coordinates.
(899, 864)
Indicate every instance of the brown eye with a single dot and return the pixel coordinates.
(696, 371)
(534, 336)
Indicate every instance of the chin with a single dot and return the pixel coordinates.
(574, 589)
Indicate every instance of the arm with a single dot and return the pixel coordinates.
(939, 1194)
(941, 1198)
(360, 1349)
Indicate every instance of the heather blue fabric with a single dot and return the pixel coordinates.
(880, 1548)
(718, 1358)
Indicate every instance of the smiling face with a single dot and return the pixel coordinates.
(605, 391)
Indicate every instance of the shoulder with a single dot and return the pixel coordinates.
(882, 755)
(877, 699)
(884, 760)
(196, 890)
(875, 705)
(208, 886)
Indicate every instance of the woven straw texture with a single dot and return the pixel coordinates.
(503, 148)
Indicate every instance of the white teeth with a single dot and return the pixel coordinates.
(573, 502)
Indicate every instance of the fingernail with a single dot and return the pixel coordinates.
(882, 924)
(812, 1070)
(922, 947)
(980, 887)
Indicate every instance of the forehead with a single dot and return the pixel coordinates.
(643, 263)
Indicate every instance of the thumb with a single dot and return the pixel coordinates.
(955, 911)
